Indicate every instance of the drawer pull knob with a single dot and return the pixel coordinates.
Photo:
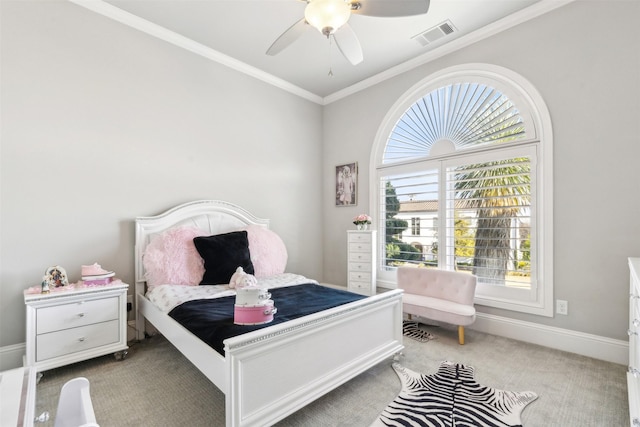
(81, 339)
(636, 322)
(80, 314)
(634, 296)
(633, 371)
(630, 332)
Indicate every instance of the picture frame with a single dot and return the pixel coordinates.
(54, 277)
(347, 184)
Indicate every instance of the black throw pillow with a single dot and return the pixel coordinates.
(222, 255)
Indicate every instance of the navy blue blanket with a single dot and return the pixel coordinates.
(211, 320)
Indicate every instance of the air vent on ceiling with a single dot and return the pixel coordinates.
(432, 34)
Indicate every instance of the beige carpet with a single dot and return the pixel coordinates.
(156, 386)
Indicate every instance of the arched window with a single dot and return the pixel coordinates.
(466, 156)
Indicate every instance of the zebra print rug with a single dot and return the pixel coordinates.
(412, 330)
(451, 397)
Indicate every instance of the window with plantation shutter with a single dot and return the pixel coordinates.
(461, 186)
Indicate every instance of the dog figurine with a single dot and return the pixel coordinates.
(240, 279)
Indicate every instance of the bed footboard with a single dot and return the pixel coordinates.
(272, 376)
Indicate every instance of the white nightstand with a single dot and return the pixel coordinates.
(76, 323)
(361, 268)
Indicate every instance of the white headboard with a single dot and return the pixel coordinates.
(211, 216)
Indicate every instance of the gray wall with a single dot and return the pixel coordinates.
(584, 59)
(102, 123)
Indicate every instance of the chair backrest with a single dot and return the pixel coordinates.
(443, 284)
(75, 408)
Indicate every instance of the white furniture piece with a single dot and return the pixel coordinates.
(75, 408)
(441, 295)
(270, 373)
(633, 374)
(17, 397)
(361, 268)
(77, 323)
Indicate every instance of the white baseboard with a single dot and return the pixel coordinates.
(11, 356)
(610, 350)
(597, 347)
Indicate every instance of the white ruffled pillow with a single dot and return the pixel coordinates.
(268, 251)
(172, 258)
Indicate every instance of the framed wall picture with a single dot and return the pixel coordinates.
(347, 184)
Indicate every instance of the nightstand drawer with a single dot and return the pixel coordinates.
(73, 340)
(360, 266)
(360, 237)
(65, 316)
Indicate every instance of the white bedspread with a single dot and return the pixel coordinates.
(166, 297)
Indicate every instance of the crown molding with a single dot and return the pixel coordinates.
(133, 21)
(496, 27)
(162, 33)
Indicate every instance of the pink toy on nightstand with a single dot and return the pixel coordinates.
(96, 275)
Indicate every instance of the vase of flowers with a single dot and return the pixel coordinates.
(362, 221)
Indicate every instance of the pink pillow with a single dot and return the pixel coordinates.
(268, 252)
(172, 258)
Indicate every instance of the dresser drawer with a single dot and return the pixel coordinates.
(633, 331)
(634, 355)
(363, 288)
(360, 247)
(359, 237)
(359, 256)
(72, 315)
(634, 313)
(360, 266)
(74, 340)
(359, 276)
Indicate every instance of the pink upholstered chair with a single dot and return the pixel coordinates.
(441, 295)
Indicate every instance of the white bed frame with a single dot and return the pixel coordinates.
(271, 373)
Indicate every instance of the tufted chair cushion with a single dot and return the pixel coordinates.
(441, 295)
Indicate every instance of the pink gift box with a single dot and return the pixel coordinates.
(254, 314)
(105, 281)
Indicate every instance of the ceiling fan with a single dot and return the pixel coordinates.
(331, 17)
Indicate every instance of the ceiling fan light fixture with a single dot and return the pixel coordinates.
(327, 15)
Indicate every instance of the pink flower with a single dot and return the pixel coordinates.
(362, 219)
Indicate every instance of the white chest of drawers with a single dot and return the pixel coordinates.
(75, 324)
(633, 375)
(361, 267)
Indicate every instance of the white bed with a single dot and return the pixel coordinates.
(272, 372)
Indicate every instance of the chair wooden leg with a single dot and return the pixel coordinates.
(461, 335)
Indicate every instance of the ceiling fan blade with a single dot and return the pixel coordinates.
(348, 43)
(288, 37)
(390, 8)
